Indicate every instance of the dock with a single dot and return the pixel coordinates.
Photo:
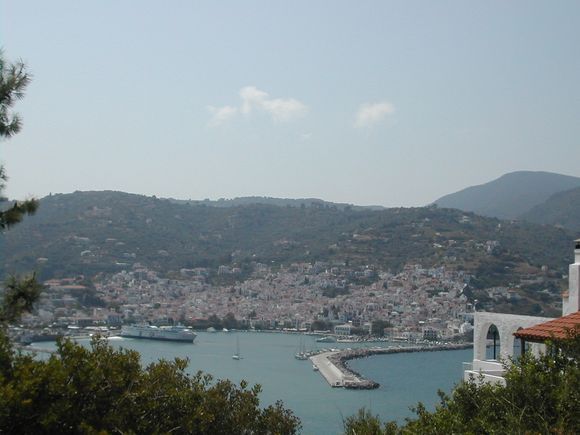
(327, 369)
(332, 365)
(337, 375)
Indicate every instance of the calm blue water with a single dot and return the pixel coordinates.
(268, 360)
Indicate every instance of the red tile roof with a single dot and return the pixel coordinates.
(554, 329)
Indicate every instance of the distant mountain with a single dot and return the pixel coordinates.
(279, 202)
(511, 195)
(562, 208)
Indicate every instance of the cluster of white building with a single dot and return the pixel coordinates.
(418, 302)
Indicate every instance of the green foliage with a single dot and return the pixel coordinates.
(365, 423)
(19, 296)
(321, 325)
(13, 81)
(541, 395)
(332, 292)
(102, 390)
(230, 321)
(378, 327)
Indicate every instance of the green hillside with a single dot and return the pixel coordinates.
(562, 209)
(511, 195)
(91, 232)
(281, 202)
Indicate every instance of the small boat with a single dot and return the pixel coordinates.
(315, 367)
(237, 356)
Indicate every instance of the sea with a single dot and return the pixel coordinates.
(268, 359)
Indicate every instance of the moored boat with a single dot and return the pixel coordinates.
(327, 339)
(168, 333)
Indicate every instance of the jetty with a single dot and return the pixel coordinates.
(332, 365)
(337, 375)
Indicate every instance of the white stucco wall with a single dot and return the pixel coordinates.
(572, 305)
(506, 325)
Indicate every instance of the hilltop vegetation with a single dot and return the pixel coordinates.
(281, 202)
(91, 232)
(511, 196)
(562, 209)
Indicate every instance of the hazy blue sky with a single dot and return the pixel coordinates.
(369, 102)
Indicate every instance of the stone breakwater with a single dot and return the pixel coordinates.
(333, 365)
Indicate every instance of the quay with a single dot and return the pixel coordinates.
(332, 365)
(338, 375)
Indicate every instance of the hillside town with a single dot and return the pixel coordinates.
(417, 303)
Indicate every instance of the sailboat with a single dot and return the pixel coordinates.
(301, 354)
(237, 355)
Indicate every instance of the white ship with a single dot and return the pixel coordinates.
(327, 339)
(169, 333)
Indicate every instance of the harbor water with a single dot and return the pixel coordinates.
(268, 360)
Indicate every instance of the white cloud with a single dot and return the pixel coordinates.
(221, 114)
(285, 109)
(254, 99)
(369, 114)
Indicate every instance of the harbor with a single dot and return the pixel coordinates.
(267, 355)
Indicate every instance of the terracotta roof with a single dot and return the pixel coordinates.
(553, 329)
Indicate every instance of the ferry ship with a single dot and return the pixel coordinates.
(169, 333)
(327, 339)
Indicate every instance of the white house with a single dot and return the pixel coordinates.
(510, 336)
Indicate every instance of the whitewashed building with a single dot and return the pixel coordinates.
(498, 330)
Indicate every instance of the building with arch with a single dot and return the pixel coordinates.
(513, 334)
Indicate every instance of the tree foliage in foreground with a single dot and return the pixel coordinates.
(14, 79)
(541, 396)
(103, 390)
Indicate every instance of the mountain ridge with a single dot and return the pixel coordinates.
(561, 209)
(511, 195)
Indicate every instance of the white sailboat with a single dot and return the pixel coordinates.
(301, 353)
(237, 356)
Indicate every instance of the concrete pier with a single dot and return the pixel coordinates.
(331, 373)
(332, 365)
(337, 375)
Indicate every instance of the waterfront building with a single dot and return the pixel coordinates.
(345, 329)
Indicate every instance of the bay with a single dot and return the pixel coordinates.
(268, 360)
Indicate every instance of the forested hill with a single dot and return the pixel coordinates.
(562, 208)
(281, 202)
(91, 232)
(510, 196)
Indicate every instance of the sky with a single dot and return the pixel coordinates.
(391, 103)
